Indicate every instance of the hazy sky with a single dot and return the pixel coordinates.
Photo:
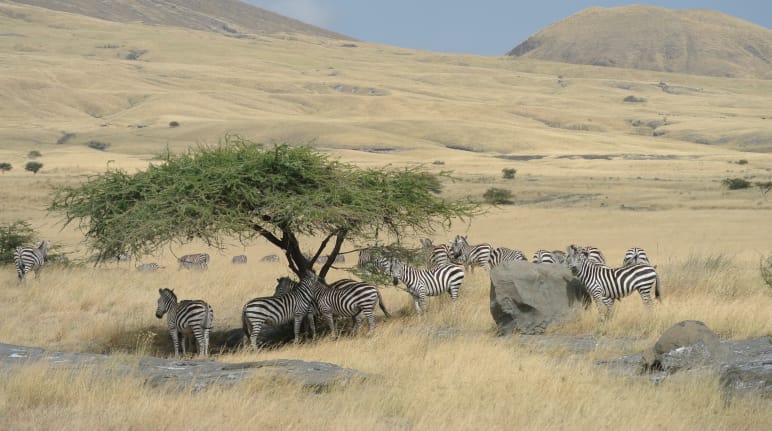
(485, 27)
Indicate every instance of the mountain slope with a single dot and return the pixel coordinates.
(699, 42)
(231, 17)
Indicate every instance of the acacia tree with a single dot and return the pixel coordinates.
(242, 190)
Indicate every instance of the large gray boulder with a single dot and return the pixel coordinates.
(527, 297)
(686, 344)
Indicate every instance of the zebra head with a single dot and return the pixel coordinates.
(283, 286)
(396, 270)
(575, 257)
(166, 300)
(43, 247)
(458, 246)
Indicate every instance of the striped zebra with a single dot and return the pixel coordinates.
(196, 260)
(606, 284)
(148, 267)
(559, 256)
(436, 255)
(286, 304)
(421, 283)
(270, 258)
(29, 259)
(594, 254)
(635, 256)
(238, 260)
(502, 255)
(471, 255)
(343, 298)
(544, 256)
(371, 260)
(185, 318)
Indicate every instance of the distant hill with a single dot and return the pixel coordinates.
(230, 17)
(699, 42)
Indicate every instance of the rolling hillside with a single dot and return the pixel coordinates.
(700, 42)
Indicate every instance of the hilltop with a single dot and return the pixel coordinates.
(699, 42)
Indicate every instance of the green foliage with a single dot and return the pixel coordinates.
(5, 166)
(34, 154)
(735, 183)
(508, 173)
(12, 235)
(33, 167)
(765, 266)
(98, 145)
(634, 99)
(742, 162)
(241, 190)
(497, 196)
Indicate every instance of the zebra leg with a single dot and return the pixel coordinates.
(255, 332)
(206, 342)
(358, 324)
(331, 323)
(609, 303)
(370, 321)
(298, 321)
(176, 342)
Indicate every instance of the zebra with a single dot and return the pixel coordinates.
(270, 258)
(635, 256)
(436, 255)
(559, 256)
(185, 318)
(544, 256)
(345, 297)
(501, 255)
(606, 284)
(196, 260)
(281, 308)
(240, 259)
(370, 260)
(148, 267)
(471, 255)
(29, 259)
(421, 283)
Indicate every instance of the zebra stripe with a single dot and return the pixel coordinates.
(502, 255)
(421, 283)
(635, 256)
(544, 256)
(240, 259)
(439, 255)
(186, 318)
(29, 259)
(148, 267)
(286, 304)
(559, 256)
(471, 255)
(370, 260)
(606, 284)
(196, 260)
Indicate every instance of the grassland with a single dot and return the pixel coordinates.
(595, 175)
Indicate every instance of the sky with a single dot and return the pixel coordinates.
(483, 27)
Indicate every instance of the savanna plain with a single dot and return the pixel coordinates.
(590, 169)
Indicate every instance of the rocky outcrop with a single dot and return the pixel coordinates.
(693, 342)
(527, 297)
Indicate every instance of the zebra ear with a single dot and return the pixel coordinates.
(160, 290)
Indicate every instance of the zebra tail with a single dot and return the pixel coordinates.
(656, 289)
(380, 304)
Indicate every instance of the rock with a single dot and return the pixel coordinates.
(686, 344)
(527, 297)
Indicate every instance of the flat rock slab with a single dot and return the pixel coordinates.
(183, 374)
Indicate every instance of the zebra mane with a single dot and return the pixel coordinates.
(169, 292)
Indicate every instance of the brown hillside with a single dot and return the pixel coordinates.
(700, 42)
(231, 17)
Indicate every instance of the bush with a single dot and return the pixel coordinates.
(5, 166)
(64, 138)
(508, 173)
(634, 99)
(496, 196)
(764, 186)
(33, 167)
(765, 266)
(742, 162)
(34, 154)
(98, 145)
(735, 183)
(174, 124)
(12, 235)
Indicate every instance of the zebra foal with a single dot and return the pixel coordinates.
(185, 318)
(421, 283)
(28, 259)
(606, 284)
(196, 260)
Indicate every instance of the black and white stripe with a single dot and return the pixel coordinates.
(148, 267)
(421, 283)
(288, 303)
(239, 259)
(471, 255)
(606, 284)
(439, 255)
(635, 256)
(503, 255)
(544, 256)
(186, 318)
(194, 261)
(29, 259)
(371, 260)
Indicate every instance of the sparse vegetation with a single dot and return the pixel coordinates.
(98, 145)
(765, 267)
(5, 167)
(33, 167)
(34, 154)
(174, 124)
(742, 162)
(12, 235)
(135, 54)
(64, 138)
(508, 173)
(764, 186)
(735, 183)
(498, 196)
(634, 99)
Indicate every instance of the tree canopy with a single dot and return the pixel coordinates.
(242, 190)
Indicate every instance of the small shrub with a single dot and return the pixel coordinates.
(764, 186)
(64, 138)
(508, 173)
(174, 124)
(12, 235)
(634, 99)
(33, 167)
(135, 54)
(735, 183)
(5, 166)
(765, 266)
(34, 154)
(496, 196)
(98, 145)
(438, 162)
(742, 162)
